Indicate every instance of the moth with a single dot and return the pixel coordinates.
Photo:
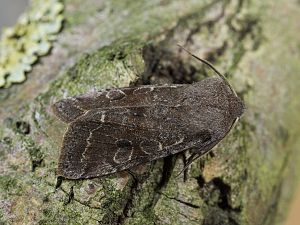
(115, 129)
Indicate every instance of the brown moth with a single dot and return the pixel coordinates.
(116, 129)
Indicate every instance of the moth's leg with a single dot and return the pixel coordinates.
(69, 197)
(196, 152)
(132, 174)
(185, 169)
(185, 172)
(59, 181)
(188, 162)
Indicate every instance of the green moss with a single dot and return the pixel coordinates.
(120, 64)
(10, 185)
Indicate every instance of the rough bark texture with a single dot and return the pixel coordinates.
(251, 175)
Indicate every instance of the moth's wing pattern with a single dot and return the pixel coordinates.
(111, 134)
(69, 109)
(106, 141)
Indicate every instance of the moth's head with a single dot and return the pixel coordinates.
(237, 107)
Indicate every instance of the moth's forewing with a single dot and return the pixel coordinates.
(113, 138)
(71, 108)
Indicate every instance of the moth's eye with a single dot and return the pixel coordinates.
(123, 143)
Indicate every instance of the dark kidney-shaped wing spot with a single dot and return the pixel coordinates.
(124, 151)
(115, 94)
(123, 143)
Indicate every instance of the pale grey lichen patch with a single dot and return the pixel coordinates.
(30, 38)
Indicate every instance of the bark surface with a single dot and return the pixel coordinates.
(248, 179)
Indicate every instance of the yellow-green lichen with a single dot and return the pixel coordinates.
(31, 37)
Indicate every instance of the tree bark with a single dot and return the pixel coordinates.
(248, 179)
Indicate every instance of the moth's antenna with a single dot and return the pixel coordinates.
(210, 66)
